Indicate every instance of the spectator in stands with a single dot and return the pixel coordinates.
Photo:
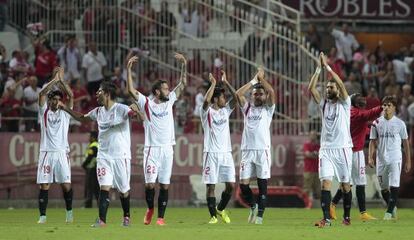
(183, 112)
(405, 101)
(352, 85)
(203, 18)
(199, 99)
(402, 72)
(165, 17)
(336, 63)
(121, 92)
(391, 86)
(371, 73)
(311, 182)
(10, 108)
(196, 65)
(372, 98)
(3, 53)
(31, 107)
(93, 64)
(345, 43)
(81, 100)
(271, 50)
(45, 61)
(70, 58)
(313, 37)
(14, 87)
(3, 14)
(19, 64)
(190, 18)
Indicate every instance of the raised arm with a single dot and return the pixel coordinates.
(65, 87)
(130, 85)
(183, 78)
(235, 99)
(76, 115)
(210, 91)
(371, 152)
(241, 92)
(267, 86)
(46, 89)
(313, 82)
(343, 94)
(407, 153)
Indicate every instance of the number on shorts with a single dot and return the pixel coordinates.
(101, 172)
(362, 171)
(207, 171)
(150, 169)
(46, 169)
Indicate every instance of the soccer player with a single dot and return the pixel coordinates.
(159, 136)
(114, 151)
(218, 164)
(255, 145)
(387, 133)
(335, 153)
(54, 162)
(360, 117)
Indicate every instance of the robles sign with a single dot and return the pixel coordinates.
(355, 9)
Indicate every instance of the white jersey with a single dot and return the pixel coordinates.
(216, 129)
(389, 134)
(114, 135)
(256, 132)
(336, 121)
(54, 127)
(159, 120)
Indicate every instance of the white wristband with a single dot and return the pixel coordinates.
(318, 70)
(328, 68)
(254, 81)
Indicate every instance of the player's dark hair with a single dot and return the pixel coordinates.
(218, 91)
(157, 85)
(94, 134)
(54, 93)
(109, 87)
(354, 97)
(390, 99)
(258, 86)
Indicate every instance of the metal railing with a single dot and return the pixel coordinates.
(122, 29)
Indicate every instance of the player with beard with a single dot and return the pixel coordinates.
(159, 136)
(335, 154)
(255, 145)
(114, 152)
(360, 117)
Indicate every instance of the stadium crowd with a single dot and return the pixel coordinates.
(373, 72)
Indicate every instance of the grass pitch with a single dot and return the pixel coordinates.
(191, 223)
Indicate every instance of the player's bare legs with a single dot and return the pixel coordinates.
(149, 198)
(162, 203)
(68, 196)
(125, 200)
(43, 200)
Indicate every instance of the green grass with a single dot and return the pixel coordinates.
(190, 223)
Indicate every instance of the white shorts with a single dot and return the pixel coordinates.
(388, 174)
(218, 167)
(53, 167)
(335, 162)
(114, 172)
(158, 163)
(358, 176)
(255, 163)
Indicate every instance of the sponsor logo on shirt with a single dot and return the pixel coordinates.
(387, 135)
(161, 114)
(219, 122)
(255, 118)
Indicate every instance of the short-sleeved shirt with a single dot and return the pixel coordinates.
(216, 129)
(54, 128)
(389, 134)
(336, 121)
(114, 134)
(159, 120)
(256, 131)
